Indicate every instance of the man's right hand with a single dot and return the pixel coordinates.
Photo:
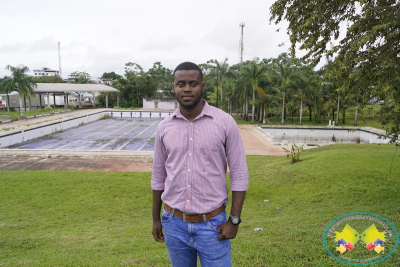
(157, 232)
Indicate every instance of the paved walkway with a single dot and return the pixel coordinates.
(256, 144)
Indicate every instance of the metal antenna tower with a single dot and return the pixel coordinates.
(241, 25)
(59, 59)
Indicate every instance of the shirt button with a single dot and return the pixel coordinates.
(188, 201)
(189, 170)
(191, 123)
(188, 185)
(190, 154)
(190, 138)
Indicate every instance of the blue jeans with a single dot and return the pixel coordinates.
(187, 240)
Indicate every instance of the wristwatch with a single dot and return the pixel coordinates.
(235, 220)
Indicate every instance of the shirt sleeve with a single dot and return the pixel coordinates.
(159, 173)
(239, 173)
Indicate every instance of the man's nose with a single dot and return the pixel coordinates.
(187, 88)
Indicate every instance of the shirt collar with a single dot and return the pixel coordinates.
(206, 111)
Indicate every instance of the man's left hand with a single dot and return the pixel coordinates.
(228, 231)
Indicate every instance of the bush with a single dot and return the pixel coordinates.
(71, 106)
(294, 153)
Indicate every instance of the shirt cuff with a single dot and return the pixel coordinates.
(240, 186)
(157, 186)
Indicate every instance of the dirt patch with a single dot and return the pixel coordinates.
(77, 164)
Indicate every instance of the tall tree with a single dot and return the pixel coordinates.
(111, 75)
(79, 77)
(48, 79)
(219, 69)
(286, 74)
(6, 87)
(253, 73)
(307, 87)
(20, 81)
(135, 85)
(162, 78)
(370, 40)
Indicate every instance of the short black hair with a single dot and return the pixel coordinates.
(188, 66)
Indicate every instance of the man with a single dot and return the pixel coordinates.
(192, 148)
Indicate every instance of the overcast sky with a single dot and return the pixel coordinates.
(101, 36)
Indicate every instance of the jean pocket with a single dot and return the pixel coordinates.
(217, 220)
(165, 216)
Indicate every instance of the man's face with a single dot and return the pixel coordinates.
(188, 88)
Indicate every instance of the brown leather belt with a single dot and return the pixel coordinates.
(193, 217)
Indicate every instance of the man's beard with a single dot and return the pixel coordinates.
(191, 106)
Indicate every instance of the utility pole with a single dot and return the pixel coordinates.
(217, 84)
(59, 59)
(245, 108)
(241, 25)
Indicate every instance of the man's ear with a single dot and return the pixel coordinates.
(173, 88)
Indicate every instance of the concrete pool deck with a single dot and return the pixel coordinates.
(40, 121)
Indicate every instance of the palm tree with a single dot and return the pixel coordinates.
(23, 83)
(308, 87)
(5, 87)
(253, 73)
(286, 76)
(220, 70)
(267, 95)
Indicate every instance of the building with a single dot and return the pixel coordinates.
(34, 102)
(107, 81)
(160, 103)
(47, 94)
(45, 72)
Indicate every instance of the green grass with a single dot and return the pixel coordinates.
(121, 108)
(13, 115)
(104, 219)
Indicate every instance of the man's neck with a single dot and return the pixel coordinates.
(191, 114)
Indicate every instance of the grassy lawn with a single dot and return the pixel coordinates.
(50, 218)
(121, 108)
(13, 115)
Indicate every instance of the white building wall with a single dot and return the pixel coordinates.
(59, 100)
(45, 72)
(160, 103)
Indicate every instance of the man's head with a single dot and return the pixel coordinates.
(188, 85)
(188, 66)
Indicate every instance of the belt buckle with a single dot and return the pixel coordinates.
(187, 214)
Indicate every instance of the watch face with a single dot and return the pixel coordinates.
(235, 220)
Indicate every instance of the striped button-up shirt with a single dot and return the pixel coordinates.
(190, 160)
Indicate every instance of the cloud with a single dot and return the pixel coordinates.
(44, 44)
(12, 48)
(97, 39)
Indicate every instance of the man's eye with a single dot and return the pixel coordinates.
(180, 84)
(193, 84)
